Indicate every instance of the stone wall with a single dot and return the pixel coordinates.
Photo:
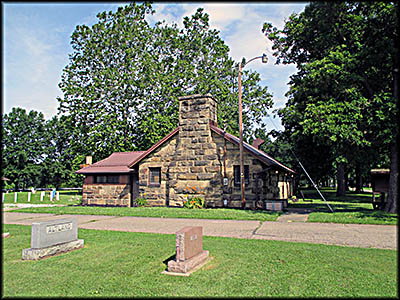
(157, 195)
(263, 184)
(106, 194)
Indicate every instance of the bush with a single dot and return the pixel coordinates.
(141, 201)
(194, 202)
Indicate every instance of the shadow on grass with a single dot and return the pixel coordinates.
(165, 261)
(353, 205)
(330, 195)
(70, 193)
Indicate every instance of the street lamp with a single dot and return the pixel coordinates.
(264, 59)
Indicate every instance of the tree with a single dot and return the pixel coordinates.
(60, 162)
(23, 136)
(124, 77)
(343, 92)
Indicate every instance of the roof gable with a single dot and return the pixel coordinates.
(154, 147)
(261, 155)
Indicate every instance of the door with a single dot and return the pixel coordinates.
(134, 188)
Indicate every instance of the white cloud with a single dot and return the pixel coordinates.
(33, 67)
(35, 55)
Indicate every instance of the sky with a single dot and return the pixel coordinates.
(36, 44)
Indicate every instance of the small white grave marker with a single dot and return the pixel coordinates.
(51, 196)
(29, 197)
(58, 196)
(15, 197)
(41, 196)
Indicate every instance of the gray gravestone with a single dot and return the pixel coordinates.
(52, 237)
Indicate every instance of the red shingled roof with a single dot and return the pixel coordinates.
(122, 162)
(117, 162)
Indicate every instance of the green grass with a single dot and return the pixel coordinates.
(160, 212)
(350, 209)
(353, 208)
(125, 264)
(66, 198)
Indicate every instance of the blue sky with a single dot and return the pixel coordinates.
(36, 43)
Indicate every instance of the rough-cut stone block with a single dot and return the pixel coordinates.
(212, 169)
(205, 176)
(197, 169)
(35, 254)
(188, 265)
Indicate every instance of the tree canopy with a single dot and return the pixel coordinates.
(343, 94)
(124, 77)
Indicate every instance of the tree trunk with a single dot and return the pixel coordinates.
(358, 179)
(341, 182)
(391, 204)
(346, 181)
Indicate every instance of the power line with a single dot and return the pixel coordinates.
(309, 177)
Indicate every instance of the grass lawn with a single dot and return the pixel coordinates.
(66, 198)
(125, 264)
(160, 212)
(354, 208)
(351, 209)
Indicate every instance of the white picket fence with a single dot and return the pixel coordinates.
(52, 196)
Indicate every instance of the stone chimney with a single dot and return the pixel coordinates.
(257, 143)
(194, 168)
(88, 160)
(195, 114)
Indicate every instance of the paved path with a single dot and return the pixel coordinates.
(295, 215)
(13, 206)
(354, 235)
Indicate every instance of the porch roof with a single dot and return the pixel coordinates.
(117, 162)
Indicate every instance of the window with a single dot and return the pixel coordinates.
(106, 179)
(100, 179)
(113, 179)
(236, 173)
(155, 176)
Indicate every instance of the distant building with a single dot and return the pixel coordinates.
(197, 159)
(380, 185)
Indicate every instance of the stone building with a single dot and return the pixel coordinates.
(197, 159)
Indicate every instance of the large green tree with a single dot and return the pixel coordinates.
(39, 153)
(124, 77)
(61, 160)
(344, 92)
(23, 139)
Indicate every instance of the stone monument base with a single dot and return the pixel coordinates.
(185, 268)
(35, 254)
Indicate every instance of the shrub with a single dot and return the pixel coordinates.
(194, 202)
(141, 201)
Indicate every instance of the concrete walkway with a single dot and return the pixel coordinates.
(295, 215)
(13, 206)
(353, 235)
